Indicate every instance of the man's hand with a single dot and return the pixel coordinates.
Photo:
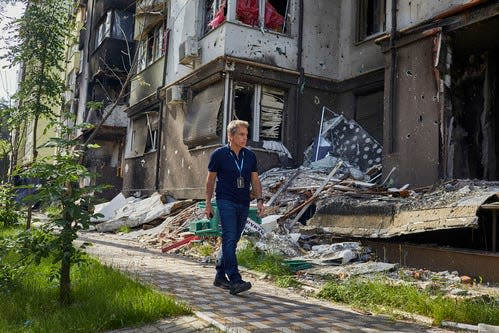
(261, 207)
(210, 186)
(208, 210)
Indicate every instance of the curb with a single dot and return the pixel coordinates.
(208, 319)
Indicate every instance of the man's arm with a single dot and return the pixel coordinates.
(257, 189)
(210, 186)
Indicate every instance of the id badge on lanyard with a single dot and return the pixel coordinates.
(240, 179)
(240, 182)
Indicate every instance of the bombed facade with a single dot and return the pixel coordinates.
(405, 88)
(272, 63)
(440, 116)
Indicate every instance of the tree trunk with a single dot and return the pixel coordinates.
(65, 279)
(65, 282)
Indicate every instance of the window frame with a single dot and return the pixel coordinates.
(150, 49)
(148, 128)
(256, 113)
(231, 15)
(362, 15)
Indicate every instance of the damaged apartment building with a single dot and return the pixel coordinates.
(419, 76)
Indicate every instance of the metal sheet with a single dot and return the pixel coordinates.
(201, 117)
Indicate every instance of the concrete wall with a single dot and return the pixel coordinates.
(321, 30)
(269, 48)
(183, 172)
(329, 47)
(139, 174)
(355, 58)
(415, 126)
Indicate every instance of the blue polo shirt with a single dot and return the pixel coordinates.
(225, 163)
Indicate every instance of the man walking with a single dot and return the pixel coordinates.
(234, 168)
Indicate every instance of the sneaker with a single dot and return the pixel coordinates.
(221, 283)
(239, 287)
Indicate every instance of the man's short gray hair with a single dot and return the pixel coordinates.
(234, 124)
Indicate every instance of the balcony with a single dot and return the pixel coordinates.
(114, 46)
(265, 36)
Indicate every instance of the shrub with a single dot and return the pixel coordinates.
(9, 208)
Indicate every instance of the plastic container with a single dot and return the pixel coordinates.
(211, 227)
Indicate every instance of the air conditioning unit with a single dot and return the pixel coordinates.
(188, 50)
(175, 95)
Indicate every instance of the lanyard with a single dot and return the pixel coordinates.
(239, 167)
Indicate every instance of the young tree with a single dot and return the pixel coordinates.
(40, 50)
(61, 175)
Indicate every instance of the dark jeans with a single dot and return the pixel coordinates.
(233, 218)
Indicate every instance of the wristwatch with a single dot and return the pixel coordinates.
(260, 199)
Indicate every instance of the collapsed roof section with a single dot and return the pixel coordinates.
(384, 217)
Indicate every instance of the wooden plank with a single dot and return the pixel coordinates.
(283, 187)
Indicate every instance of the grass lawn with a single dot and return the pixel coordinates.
(103, 299)
(376, 295)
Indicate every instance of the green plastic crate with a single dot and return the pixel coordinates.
(252, 213)
(211, 227)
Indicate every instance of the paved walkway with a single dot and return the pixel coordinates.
(265, 308)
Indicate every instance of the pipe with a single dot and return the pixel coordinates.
(161, 106)
(299, 67)
(393, 73)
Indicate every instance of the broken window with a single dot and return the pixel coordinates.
(370, 18)
(152, 132)
(271, 107)
(244, 95)
(262, 107)
(272, 16)
(123, 25)
(152, 46)
(214, 14)
(104, 29)
(143, 133)
(474, 148)
(268, 14)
